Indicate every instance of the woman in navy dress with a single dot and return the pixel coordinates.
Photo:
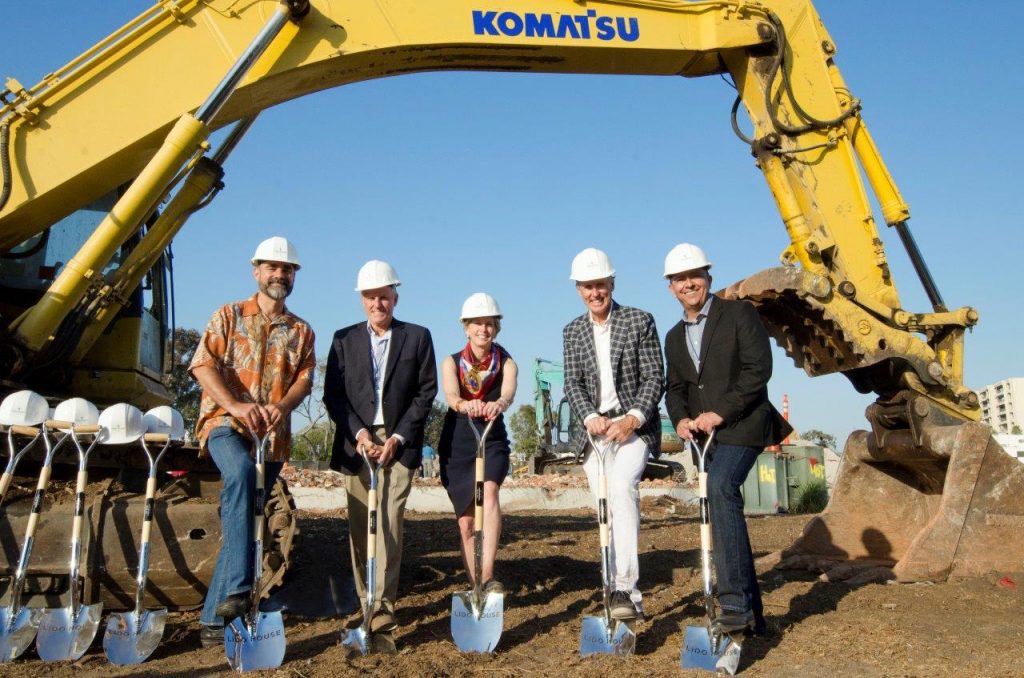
(479, 383)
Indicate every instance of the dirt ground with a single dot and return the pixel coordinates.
(549, 564)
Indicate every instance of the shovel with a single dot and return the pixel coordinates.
(21, 413)
(18, 624)
(256, 639)
(359, 637)
(706, 647)
(132, 636)
(65, 633)
(604, 635)
(477, 619)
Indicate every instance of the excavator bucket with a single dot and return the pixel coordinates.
(951, 506)
(926, 492)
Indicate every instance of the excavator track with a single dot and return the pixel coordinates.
(185, 541)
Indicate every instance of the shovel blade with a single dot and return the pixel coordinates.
(17, 631)
(261, 647)
(699, 652)
(477, 629)
(129, 639)
(596, 639)
(356, 641)
(64, 635)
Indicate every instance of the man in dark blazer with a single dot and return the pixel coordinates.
(614, 378)
(719, 364)
(379, 387)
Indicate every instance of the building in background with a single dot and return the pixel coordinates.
(1002, 405)
(1013, 444)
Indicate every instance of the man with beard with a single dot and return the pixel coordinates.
(255, 363)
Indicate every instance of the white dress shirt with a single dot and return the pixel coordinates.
(609, 399)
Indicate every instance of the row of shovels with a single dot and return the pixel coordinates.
(65, 633)
(257, 640)
(253, 641)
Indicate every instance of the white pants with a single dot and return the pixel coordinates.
(623, 472)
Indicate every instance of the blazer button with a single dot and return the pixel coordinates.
(700, 386)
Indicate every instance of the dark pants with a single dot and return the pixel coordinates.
(734, 563)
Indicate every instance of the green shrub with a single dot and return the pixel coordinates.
(809, 497)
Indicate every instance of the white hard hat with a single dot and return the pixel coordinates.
(591, 264)
(376, 273)
(685, 257)
(165, 419)
(24, 408)
(121, 423)
(78, 411)
(277, 248)
(480, 305)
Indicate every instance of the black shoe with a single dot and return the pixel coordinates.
(233, 606)
(211, 636)
(759, 627)
(731, 622)
(621, 607)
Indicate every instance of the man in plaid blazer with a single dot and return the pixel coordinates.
(614, 381)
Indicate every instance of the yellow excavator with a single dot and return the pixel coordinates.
(88, 154)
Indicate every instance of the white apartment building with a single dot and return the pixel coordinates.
(1002, 405)
(1014, 445)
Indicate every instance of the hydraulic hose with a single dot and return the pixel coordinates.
(771, 103)
(5, 163)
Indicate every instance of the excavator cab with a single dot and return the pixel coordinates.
(129, 360)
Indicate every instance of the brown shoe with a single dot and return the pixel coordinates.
(383, 621)
(493, 586)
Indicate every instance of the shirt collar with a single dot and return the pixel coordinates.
(702, 314)
(374, 336)
(251, 307)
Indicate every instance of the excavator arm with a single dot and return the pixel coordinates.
(140, 106)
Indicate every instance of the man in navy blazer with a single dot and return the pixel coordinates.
(380, 383)
(719, 363)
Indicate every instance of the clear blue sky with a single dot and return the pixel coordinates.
(478, 181)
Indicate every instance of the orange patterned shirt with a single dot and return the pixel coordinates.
(259, 359)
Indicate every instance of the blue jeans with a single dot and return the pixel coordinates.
(232, 454)
(734, 563)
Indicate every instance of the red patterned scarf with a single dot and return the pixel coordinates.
(477, 376)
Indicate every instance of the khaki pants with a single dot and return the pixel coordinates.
(394, 483)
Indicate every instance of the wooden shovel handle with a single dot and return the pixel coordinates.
(25, 430)
(156, 437)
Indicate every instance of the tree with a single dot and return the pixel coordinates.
(314, 441)
(525, 438)
(435, 421)
(820, 438)
(184, 389)
(1015, 430)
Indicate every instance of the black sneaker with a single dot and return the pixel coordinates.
(622, 607)
(233, 606)
(211, 636)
